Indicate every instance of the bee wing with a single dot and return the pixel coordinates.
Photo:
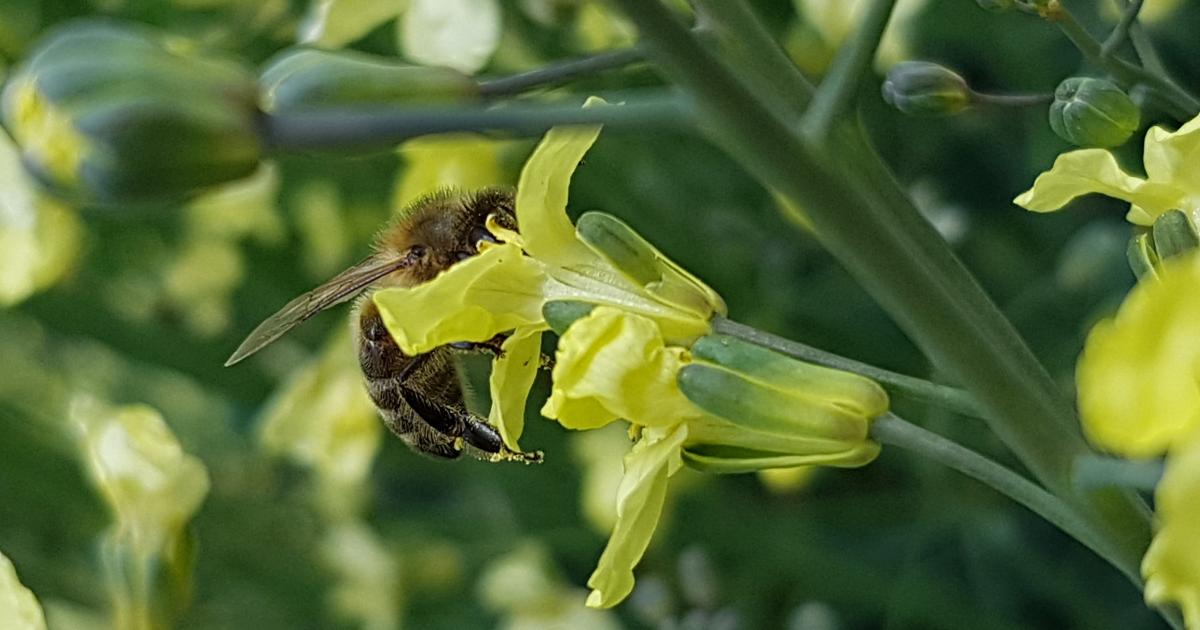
(342, 287)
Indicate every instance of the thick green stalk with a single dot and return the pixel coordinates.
(864, 219)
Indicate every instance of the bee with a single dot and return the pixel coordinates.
(420, 398)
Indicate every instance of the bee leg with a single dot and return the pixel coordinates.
(492, 347)
(477, 437)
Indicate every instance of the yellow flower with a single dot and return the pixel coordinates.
(637, 348)
(152, 486)
(19, 609)
(1139, 396)
(1171, 181)
(507, 285)
(1171, 566)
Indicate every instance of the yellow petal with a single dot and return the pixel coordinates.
(1096, 171)
(639, 505)
(1137, 377)
(542, 196)
(1171, 566)
(497, 291)
(19, 609)
(620, 363)
(512, 376)
(1170, 157)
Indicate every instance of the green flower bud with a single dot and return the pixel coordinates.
(921, 88)
(768, 410)
(114, 113)
(1093, 113)
(1141, 255)
(1173, 234)
(303, 79)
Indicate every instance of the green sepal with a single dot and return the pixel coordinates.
(717, 459)
(1173, 235)
(1141, 255)
(560, 314)
(643, 265)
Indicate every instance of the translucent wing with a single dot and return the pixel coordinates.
(343, 287)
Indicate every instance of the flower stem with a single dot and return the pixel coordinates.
(1011, 100)
(891, 430)
(1093, 471)
(1121, 31)
(381, 129)
(946, 397)
(560, 72)
(1176, 100)
(837, 89)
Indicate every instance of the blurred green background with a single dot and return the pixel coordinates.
(154, 298)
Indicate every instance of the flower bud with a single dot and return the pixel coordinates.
(303, 79)
(921, 88)
(767, 410)
(115, 113)
(1173, 234)
(1091, 112)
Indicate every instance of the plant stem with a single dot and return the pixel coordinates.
(836, 92)
(1011, 100)
(1179, 102)
(1121, 31)
(1093, 471)
(891, 430)
(944, 396)
(560, 72)
(381, 129)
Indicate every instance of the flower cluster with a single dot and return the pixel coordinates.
(636, 345)
(1139, 375)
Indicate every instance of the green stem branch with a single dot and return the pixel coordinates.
(893, 431)
(382, 129)
(1121, 31)
(950, 398)
(559, 73)
(1011, 100)
(836, 92)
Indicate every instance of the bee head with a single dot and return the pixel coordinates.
(443, 228)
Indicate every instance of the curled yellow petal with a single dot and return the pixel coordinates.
(639, 506)
(512, 376)
(1086, 171)
(19, 609)
(615, 365)
(1170, 156)
(497, 291)
(1137, 377)
(542, 196)
(1171, 566)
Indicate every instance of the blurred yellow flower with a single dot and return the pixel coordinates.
(151, 485)
(1171, 566)
(461, 160)
(826, 24)
(367, 588)
(1171, 183)
(1137, 377)
(1139, 396)
(19, 609)
(525, 586)
(39, 237)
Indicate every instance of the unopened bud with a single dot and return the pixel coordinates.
(114, 113)
(1091, 112)
(1141, 255)
(305, 79)
(921, 88)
